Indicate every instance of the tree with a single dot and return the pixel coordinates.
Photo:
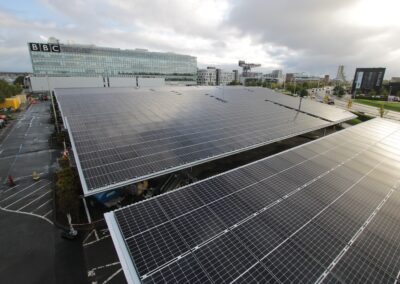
(234, 83)
(7, 90)
(19, 80)
(67, 191)
(372, 93)
(382, 111)
(383, 92)
(338, 91)
(349, 103)
(303, 93)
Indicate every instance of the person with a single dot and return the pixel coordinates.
(11, 181)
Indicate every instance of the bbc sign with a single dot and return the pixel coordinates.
(44, 47)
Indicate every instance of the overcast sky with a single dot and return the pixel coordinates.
(312, 36)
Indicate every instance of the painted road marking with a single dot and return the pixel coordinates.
(11, 188)
(18, 192)
(42, 205)
(33, 200)
(27, 195)
(112, 276)
(47, 213)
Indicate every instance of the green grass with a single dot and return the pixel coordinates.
(354, 121)
(394, 106)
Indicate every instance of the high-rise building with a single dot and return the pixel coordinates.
(340, 76)
(367, 79)
(76, 60)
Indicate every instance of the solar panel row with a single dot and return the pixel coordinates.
(122, 136)
(326, 211)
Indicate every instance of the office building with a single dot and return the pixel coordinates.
(276, 76)
(207, 77)
(76, 60)
(236, 77)
(368, 79)
(212, 76)
(301, 77)
(224, 77)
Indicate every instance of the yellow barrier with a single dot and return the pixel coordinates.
(11, 102)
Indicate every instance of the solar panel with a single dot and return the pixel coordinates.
(341, 225)
(121, 136)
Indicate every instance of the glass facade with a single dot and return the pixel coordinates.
(90, 60)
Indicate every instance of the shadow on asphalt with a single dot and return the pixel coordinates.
(32, 251)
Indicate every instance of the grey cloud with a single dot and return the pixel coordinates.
(312, 29)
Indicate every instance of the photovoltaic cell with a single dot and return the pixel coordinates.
(121, 136)
(312, 221)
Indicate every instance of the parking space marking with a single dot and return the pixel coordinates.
(25, 196)
(28, 213)
(8, 197)
(47, 192)
(42, 205)
(95, 241)
(48, 213)
(11, 188)
(112, 276)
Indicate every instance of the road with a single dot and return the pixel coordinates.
(31, 249)
(368, 110)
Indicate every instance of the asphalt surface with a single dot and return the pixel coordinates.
(31, 248)
(101, 258)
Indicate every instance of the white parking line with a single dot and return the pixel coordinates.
(34, 200)
(19, 191)
(27, 195)
(112, 276)
(28, 213)
(47, 213)
(11, 188)
(42, 205)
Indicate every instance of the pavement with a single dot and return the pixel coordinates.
(101, 258)
(32, 249)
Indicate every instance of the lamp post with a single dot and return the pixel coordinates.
(390, 92)
(52, 104)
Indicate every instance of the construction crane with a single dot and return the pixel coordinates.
(247, 67)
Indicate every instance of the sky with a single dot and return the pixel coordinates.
(312, 36)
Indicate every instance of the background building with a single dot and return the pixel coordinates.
(207, 77)
(367, 79)
(301, 77)
(215, 77)
(224, 78)
(340, 76)
(75, 60)
(276, 76)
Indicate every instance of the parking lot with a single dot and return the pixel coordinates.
(101, 258)
(23, 150)
(33, 198)
(29, 240)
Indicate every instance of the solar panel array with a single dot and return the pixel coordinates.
(327, 212)
(121, 136)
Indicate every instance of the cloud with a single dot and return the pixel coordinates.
(324, 34)
(303, 35)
